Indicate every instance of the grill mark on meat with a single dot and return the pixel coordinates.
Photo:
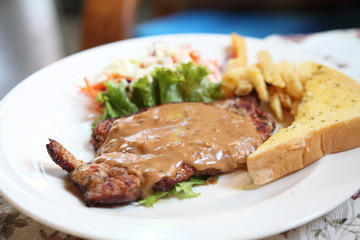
(100, 132)
(99, 183)
(100, 186)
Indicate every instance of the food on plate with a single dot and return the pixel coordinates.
(237, 60)
(268, 68)
(327, 121)
(291, 79)
(275, 105)
(238, 53)
(163, 75)
(281, 85)
(171, 119)
(157, 148)
(245, 79)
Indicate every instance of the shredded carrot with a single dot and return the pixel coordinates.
(99, 86)
(173, 58)
(94, 89)
(89, 89)
(195, 56)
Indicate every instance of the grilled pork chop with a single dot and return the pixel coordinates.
(162, 146)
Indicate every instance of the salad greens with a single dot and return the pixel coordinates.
(143, 93)
(195, 87)
(166, 83)
(116, 100)
(186, 83)
(181, 190)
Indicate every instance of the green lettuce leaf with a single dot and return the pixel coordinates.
(166, 84)
(181, 190)
(184, 189)
(116, 100)
(143, 94)
(150, 200)
(196, 87)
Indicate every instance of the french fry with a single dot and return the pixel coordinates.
(233, 63)
(285, 100)
(238, 52)
(269, 70)
(244, 79)
(275, 106)
(291, 78)
(239, 49)
(243, 88)
(281, 85)
(227, 89)
(257, 80)
(294, 107)
(230, 80)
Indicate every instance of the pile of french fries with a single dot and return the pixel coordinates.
(281, 84)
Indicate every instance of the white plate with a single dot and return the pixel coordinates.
(49, 105)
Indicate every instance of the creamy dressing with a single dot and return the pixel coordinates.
(156, 143)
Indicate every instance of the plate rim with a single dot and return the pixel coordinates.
(8, 195)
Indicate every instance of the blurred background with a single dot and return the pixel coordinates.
(34, 34)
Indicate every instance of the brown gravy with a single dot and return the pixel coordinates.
(154, 144)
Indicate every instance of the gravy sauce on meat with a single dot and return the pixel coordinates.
(156, 143)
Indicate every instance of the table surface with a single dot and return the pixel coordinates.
(342, 49)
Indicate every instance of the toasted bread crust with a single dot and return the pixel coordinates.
(296, 154)
(335, 130)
